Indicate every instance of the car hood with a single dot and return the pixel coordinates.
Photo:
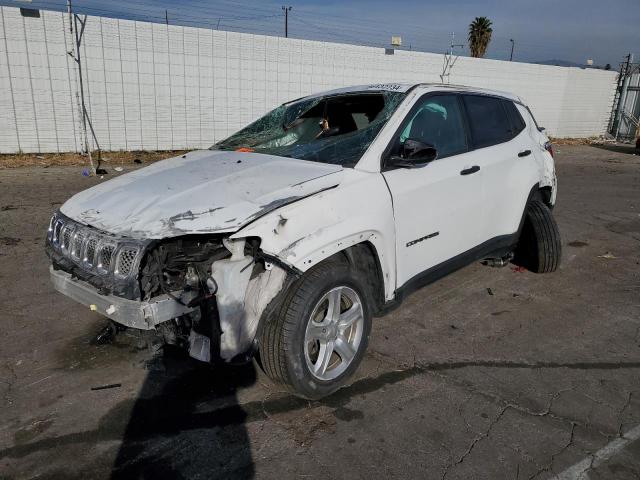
(200, 192)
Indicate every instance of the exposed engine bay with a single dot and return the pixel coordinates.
(228, 285)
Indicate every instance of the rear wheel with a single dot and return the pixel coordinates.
(539, 248)
(321, 333)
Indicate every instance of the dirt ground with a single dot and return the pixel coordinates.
(487, 374)
(108, 160)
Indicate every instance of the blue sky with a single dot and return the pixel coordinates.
(572, 30)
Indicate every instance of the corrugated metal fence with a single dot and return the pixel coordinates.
(152, 86)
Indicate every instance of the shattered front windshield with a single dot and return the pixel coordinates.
(335, 129)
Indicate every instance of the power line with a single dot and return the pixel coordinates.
(360, 30)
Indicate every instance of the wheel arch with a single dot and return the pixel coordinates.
(365, 251)
(544, 193)
(306, 233)
(363, 257)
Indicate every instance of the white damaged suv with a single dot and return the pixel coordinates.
(286, 238)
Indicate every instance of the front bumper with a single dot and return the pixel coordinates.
(131, 313)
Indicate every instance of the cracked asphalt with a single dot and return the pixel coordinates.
(487, 374)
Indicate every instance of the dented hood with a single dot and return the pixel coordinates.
(201, 192)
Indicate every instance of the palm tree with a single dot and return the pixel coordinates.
(479, 36)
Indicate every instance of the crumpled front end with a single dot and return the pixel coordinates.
(205, 293)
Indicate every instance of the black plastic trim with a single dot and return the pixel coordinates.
(494, 247)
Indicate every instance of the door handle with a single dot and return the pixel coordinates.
(524, 153)
(470, 170)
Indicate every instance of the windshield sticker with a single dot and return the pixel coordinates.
(393, 87)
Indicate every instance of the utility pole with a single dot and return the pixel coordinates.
(166, 17)
(512, 45)
(286, 20)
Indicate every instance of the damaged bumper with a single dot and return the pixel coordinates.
(144, 315)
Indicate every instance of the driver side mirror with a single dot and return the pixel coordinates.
(413, 154)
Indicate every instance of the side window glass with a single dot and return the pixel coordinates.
(437, 121)
(488, 120)
(517, 122)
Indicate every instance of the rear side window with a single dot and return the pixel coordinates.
(517, 121)
(488, 120)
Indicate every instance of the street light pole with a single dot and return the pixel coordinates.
(286, 20)
(512, 44)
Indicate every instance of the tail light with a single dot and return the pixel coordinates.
(549, 148)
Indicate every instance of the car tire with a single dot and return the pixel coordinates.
(295, 343)
(539, 248)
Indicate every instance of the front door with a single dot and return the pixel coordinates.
(438, 206)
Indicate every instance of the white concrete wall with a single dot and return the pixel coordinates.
(155, 87)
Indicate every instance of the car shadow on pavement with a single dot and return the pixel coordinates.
(186, 423)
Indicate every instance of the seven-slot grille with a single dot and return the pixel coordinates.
(91, 250)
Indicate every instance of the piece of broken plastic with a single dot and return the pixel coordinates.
(199, 346)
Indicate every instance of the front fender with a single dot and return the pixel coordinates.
(304, 233)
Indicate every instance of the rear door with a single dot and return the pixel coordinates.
(503, 150)
(437, 207)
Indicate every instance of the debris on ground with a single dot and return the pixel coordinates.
(105, 387)
(518, 269)
(578, 243)
(65, 159)
(489, 291)
(9, 241)
(106, 335)
(608, 256)
(578, 141)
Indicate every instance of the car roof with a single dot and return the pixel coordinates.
(406, 87)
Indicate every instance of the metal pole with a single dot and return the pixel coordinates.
(166, 17)
(623, 94)
(77, 38)
(512, 45)
(286, 20)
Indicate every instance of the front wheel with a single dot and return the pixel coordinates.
(321, 333)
